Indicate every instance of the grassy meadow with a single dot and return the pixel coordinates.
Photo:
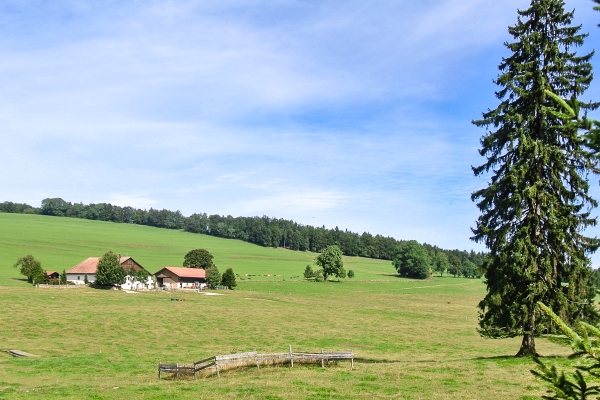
(412, 339)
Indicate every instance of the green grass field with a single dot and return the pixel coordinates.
(412, 339)
(61, 243)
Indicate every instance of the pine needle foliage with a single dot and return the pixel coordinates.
(582, 383)
(228, 278)
(109, 271)
(213, 276)
(537, 204)
(308, 272)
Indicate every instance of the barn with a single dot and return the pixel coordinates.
(180, 277)
(52, 276)
(89, 266)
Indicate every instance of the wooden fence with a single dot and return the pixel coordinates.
(228, 361)
(46, 286)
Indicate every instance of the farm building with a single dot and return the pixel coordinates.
(52, 276)
(89, 266)
(181, 277)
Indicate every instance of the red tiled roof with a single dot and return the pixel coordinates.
(90, 265)
(183, 272)
(87, 266)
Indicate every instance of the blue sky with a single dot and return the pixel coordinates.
(349, 113)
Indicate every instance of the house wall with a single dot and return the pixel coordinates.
(173, 280)
(129, 264)
(78, 279)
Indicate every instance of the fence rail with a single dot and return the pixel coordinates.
(46, 286)
(227, 361)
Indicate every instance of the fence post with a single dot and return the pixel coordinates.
(256, 358)
(291, 357)
(322, 359)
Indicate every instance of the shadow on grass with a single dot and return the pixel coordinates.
(491, 358)
(393, 275)
(409, 279)
(101, 287)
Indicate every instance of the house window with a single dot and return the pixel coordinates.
(78, 278)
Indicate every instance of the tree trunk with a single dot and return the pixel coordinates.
(527, 347)
(528, 344)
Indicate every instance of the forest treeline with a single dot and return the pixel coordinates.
(264, 231)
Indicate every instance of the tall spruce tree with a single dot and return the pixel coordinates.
(537, 205)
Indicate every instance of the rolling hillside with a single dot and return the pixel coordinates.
(61, 243)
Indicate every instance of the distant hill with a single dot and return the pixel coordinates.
(264, 231)
(60, 243)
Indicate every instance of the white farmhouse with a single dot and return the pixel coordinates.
(87, 267)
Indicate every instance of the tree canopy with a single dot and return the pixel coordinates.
(537, 204)
(31, 269)
(198, 258)
(213, 276)
(469, 270)
(441, 263)
(411, 260)
(109, 271)
(228, 279)
(330, 261)
(308, 272)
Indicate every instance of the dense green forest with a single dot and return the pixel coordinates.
(264, 231)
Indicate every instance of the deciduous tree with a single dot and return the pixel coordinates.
(411, 260)
(469, 270)
(198, 258)
(330, 261)
(537, 205)
(30, 268)
(440, 262)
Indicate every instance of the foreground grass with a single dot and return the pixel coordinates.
(409, 342)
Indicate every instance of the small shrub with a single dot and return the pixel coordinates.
(228, 279)
(350, 273)
(319, 275)
(308, 272)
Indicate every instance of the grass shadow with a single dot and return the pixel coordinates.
(101, 287)
(490, 358)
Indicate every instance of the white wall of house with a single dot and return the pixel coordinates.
(79, 279)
